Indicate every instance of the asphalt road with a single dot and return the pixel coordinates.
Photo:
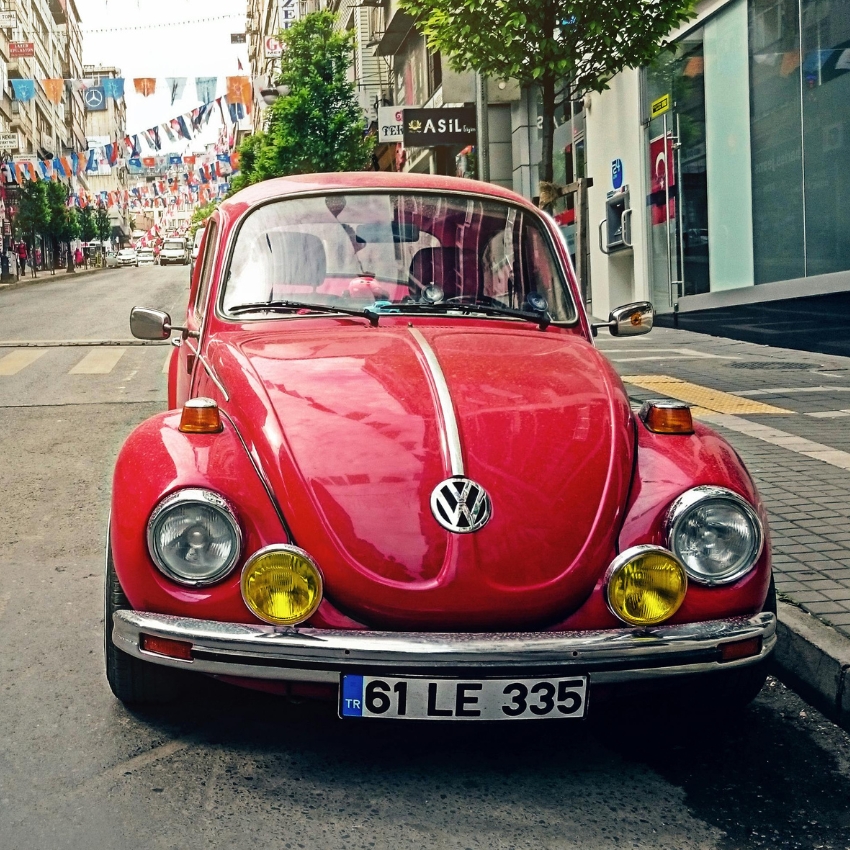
(234, 768)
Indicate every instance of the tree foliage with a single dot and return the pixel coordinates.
(87, 229)
(102, 225)
(33, 211)
(200, 215)
(318, 126)
(566, 47)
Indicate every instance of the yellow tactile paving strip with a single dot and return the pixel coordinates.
(704, 398)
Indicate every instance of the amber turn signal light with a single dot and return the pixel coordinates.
(667, 417)
(200, 416)
(166, 646)
(740, 649)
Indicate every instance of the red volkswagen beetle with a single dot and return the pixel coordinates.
(396, 470)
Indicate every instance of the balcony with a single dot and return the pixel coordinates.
(58, 10)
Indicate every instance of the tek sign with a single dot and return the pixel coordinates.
(426, 128)
(390, 124)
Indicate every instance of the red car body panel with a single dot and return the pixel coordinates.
(340, 421)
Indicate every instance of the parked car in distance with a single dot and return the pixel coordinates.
(396, 471)
(174, 250)
(128, 257)
(111, 260)
(146, 257)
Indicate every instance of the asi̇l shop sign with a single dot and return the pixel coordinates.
(428, 128)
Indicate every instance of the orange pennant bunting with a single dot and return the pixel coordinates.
(145, 86)
(53, 89)
(239, 91)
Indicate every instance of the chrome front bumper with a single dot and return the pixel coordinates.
(318, 655)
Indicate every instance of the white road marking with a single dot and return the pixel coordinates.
(101, 361)
(799, 445)
(829, 414)
(784, 390)
(665, 354)
(12, 363)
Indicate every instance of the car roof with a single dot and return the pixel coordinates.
(282, 187)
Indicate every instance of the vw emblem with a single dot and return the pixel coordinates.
(461, 505)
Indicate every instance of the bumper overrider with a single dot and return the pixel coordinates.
(320, 655)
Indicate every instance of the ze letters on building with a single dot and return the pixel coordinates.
(426, 128)
(659, 106)
(21, 49)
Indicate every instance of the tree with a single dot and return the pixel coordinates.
(200, 216)
(319, 125)
(87, 229)
(57, 202)
(566, 47)
(102, 225)
(33, 215)
(70, 233)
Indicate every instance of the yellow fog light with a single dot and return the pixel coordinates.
(282, 585)
(645, 585)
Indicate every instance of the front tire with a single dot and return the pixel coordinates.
(131, 680)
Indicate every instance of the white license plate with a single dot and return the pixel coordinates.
(463, 699)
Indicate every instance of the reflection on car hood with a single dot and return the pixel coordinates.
(349, 428)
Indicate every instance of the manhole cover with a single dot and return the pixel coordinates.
(772, 366)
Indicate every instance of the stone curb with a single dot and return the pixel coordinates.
(813, 659)
(46, 277)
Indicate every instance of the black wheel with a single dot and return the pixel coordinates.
(131, 680)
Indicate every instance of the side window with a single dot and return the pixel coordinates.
(206, 269)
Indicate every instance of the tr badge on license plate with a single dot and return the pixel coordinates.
(463, 699)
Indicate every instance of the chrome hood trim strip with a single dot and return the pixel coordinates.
(451, 434)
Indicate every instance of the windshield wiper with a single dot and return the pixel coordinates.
(539, 317)
(275, 306)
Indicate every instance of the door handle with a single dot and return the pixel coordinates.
(626, 212)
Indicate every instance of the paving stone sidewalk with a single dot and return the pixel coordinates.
(798, 449)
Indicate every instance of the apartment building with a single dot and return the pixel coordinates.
(105, 123)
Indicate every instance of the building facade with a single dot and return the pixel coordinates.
(107, 124)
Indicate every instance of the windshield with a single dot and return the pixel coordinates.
(383, 251)
(173, 246)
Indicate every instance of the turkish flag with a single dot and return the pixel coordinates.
(662, 179)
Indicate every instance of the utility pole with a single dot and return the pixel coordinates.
(482, 128)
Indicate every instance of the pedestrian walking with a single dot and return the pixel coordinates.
(78, 257)
(22, 258)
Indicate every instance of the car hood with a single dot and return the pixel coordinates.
(350, 429)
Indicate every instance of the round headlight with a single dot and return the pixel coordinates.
(645, 585)
(282, 585)
(194, 538)
(715, 533)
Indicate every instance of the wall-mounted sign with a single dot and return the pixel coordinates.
(274, 49)
(659, 106)
(616, 173)
(21, 49)
(8, 20)
(95, 99)
(390, 124)
(427, 128)
(9, 141)
(237, 38)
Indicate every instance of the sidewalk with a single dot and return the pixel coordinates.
(787, 413)
(46, 276)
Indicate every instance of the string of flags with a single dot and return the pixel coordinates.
(97, 90)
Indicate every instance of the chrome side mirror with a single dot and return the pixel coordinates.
(629, 320)
(149, 324)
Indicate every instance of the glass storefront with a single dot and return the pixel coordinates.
(746, 142)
